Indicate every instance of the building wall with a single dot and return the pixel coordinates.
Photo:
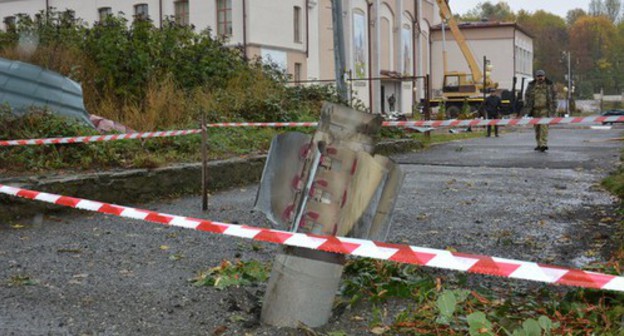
(498, 43)
(269, 32)
(523, 58)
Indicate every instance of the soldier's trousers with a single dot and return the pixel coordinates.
(541, 131)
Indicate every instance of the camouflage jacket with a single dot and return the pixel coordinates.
(551, 97)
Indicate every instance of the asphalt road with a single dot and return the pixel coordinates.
(88, 274)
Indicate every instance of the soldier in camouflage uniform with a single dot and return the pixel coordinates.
(541, 102)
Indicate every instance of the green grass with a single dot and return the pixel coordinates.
(147, 153)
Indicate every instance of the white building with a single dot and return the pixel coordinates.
(387, 41)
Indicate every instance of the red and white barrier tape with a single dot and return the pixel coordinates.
(507, 268)
(96, 138)
(418, 123)
(264, 124)
(506, 122)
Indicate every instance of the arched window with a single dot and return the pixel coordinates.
(360, 44)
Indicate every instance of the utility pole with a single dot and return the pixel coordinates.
(569, 96)
(339, 52)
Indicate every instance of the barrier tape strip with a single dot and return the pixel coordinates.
(97, 138)
(418, 123)
(401, 253)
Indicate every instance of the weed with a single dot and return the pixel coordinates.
(233, 274)
(21, 280)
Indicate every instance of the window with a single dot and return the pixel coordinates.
(9, 23)
(141, 11)
(104, 12)
(182, 12)
(297, 23)
(297, 73)
(224, 17)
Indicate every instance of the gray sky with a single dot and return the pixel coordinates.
(558, 7)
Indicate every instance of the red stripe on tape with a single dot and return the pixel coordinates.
(273, 236)
(111, 209)
(585, 279)
(404, 253)
(211, 227)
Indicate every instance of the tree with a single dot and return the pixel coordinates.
(596, 8)
(486, 10)
(573, 15)
(550, 37)
(612, 9)
(596, 46)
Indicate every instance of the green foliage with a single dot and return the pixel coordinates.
(492, 12)
(159, 78)
(21, 280)
(236, 274)
(441, 114)
(376, 281)
(615, 183)
(129, 57)
(432, 309)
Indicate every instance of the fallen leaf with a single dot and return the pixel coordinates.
(379, 330)
(164, 247)
(480, 298)
(219, 330)
(18, 226)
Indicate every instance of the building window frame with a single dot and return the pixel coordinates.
(181, 10)
(104, 12)
(297, 24)
(298, 72)
(224, 17)
(141, 11)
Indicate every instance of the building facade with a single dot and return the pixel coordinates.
(507, 46)
(387, 42)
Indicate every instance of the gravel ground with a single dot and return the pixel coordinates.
(77, 273)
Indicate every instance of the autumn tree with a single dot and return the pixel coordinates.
(595, 46)
(573, 15)
(550, 38)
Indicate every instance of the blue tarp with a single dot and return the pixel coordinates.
(24, 85)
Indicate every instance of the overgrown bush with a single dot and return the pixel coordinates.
(158, 78)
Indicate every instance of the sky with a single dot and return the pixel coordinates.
(558, 7)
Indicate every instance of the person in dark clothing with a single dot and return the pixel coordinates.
(492, 106)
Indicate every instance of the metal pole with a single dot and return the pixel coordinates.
(568, 112)
(369, 41)
(339, 54)
(484, 85)
(350, 87)
(204, 152)
(428, 104)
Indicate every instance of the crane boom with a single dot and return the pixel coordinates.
(445, 13)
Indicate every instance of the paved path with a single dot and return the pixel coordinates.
(80, 273)
(497, 196)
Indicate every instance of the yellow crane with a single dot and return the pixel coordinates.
(459, 87)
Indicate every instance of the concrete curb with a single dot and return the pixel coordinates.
(130, 187)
